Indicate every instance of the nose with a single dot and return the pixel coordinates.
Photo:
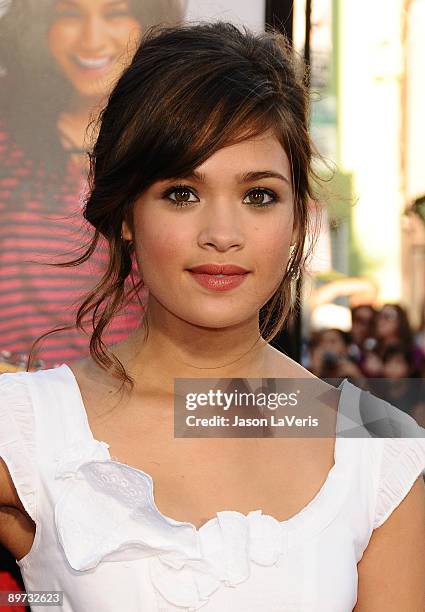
(93, 33)
(221, 228)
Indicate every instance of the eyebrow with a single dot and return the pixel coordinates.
(247, 177)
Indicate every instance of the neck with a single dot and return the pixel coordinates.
(73, 120)
(81, 107)
(176, 349)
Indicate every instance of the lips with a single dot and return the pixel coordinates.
(225, 269)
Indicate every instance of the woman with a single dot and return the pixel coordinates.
(401, 384)
(54, 79)
(202, 165)
(419, 337)
(363, 322)
(393, 328)
(330, 356)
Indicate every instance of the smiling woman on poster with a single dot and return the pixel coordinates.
(58, 61)
(202, 170)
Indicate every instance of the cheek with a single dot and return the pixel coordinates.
(270, 246)
(60, 38)
(127, 31)
(170, 247)
(163, 249)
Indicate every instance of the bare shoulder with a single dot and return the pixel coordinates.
(98, 388)
(94, 377)
(283, 366)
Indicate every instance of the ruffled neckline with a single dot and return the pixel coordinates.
(338, 451)
(107, 512)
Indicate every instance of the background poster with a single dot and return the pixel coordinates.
(58, 61)
(53, 83)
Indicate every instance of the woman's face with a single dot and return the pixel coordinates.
(362, 324)
(224, 218)
(332, 342)
(88, 40)
(387, 322)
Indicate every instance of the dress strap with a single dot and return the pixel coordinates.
(59, 420)
(17, 438)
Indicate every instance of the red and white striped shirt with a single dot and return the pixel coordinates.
(41, 221)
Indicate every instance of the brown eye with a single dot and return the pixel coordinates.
(257, 197)
(183, 194)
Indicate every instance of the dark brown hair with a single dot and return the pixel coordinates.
(190, 90)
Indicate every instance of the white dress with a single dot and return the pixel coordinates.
(102, 541)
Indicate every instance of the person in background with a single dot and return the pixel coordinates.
(58, 59)
(400, 383)
(363, 317)
(330, 358)
(363, 323)
(393, 328)
(371, 364)
(419, 337)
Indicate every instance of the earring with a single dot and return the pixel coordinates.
(128, 243)
(294, 274)
(293, 271)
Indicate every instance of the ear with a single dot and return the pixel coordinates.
(125, 231)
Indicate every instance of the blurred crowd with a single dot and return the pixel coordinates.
(381, 352)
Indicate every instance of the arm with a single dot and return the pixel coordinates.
(8, 496)
(5, 497)
(392, 569)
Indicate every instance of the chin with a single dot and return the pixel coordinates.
(91, 90)
(216, 320)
